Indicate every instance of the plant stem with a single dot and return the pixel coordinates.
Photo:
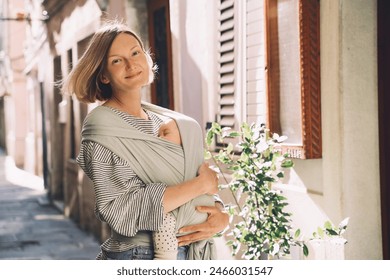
(226, 181)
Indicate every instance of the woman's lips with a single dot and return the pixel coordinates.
(133, 75)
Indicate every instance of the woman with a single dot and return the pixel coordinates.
(138, 177)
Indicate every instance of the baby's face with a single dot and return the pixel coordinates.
(163, 133)
(169, 131)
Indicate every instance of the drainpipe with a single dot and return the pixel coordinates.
(44, 139)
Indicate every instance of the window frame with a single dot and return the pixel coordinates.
(310, 87)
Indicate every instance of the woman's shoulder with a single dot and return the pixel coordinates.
(93, 151)
(164, 112)
(100, 114)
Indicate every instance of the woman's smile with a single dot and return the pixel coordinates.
(133, 75)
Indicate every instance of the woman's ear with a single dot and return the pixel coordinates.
(104, 79)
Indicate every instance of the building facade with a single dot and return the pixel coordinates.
(306, 68)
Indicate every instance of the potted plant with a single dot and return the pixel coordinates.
(328, 241)
(255, 163)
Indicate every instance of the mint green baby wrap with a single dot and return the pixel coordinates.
(156, 160)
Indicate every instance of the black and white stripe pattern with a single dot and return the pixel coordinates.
(123, 201)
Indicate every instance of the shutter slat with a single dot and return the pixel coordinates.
(227, 110)
(229, 46)
(227, 121)
(227, 100)
(227, 36)
(227, 15)
(227, 25)
(226, 4)
(227, 68)
(227, 57)
(226, 78)
(227, 89)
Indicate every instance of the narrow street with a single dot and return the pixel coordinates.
(30, 227)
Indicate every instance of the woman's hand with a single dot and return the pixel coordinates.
(205, 183)
(216, 222)
(209, 179)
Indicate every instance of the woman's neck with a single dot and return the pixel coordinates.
(129, 104)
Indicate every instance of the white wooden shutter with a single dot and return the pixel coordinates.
(226, 69)
(255, 53)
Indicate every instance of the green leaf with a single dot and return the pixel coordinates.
(328, 225)
(320, 232)
(229, 148)
(209, 137)
(244, 157)
(207, 155)
(216, 127)
(234, 134)
(297, 233)
(246, 131)
(288, 163)
(331, 232)
(305, 250)
(230, 243)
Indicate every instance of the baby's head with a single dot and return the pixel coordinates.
(170, 132)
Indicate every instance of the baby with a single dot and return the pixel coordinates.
(169, 131)
(165, 242)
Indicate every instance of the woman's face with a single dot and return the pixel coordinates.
(127, 68)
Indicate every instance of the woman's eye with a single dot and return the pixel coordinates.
(116, 61)
(136, 53)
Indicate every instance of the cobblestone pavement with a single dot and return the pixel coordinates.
(33, 229)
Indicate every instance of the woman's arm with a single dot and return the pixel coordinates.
(122, 199)
(125, 202)
(205, 183)
(216, 222)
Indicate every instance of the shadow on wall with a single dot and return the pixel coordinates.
(193, 84)
(192, 80)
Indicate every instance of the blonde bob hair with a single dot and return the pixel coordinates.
(85, 78)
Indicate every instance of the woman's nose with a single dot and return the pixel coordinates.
(129, 64)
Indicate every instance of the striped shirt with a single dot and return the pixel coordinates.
(123, 201)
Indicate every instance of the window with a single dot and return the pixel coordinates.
(293, 74)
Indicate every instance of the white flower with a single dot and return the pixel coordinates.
(267, 164)
(225, 131)
(261, 147)
(281, 139)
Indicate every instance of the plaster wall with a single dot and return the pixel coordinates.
(350, 122)
(193, 47)
(17, 102)
(345, 181)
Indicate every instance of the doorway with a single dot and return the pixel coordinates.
(160, 43)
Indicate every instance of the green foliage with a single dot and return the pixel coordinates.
(330, 230)
(265, 226)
